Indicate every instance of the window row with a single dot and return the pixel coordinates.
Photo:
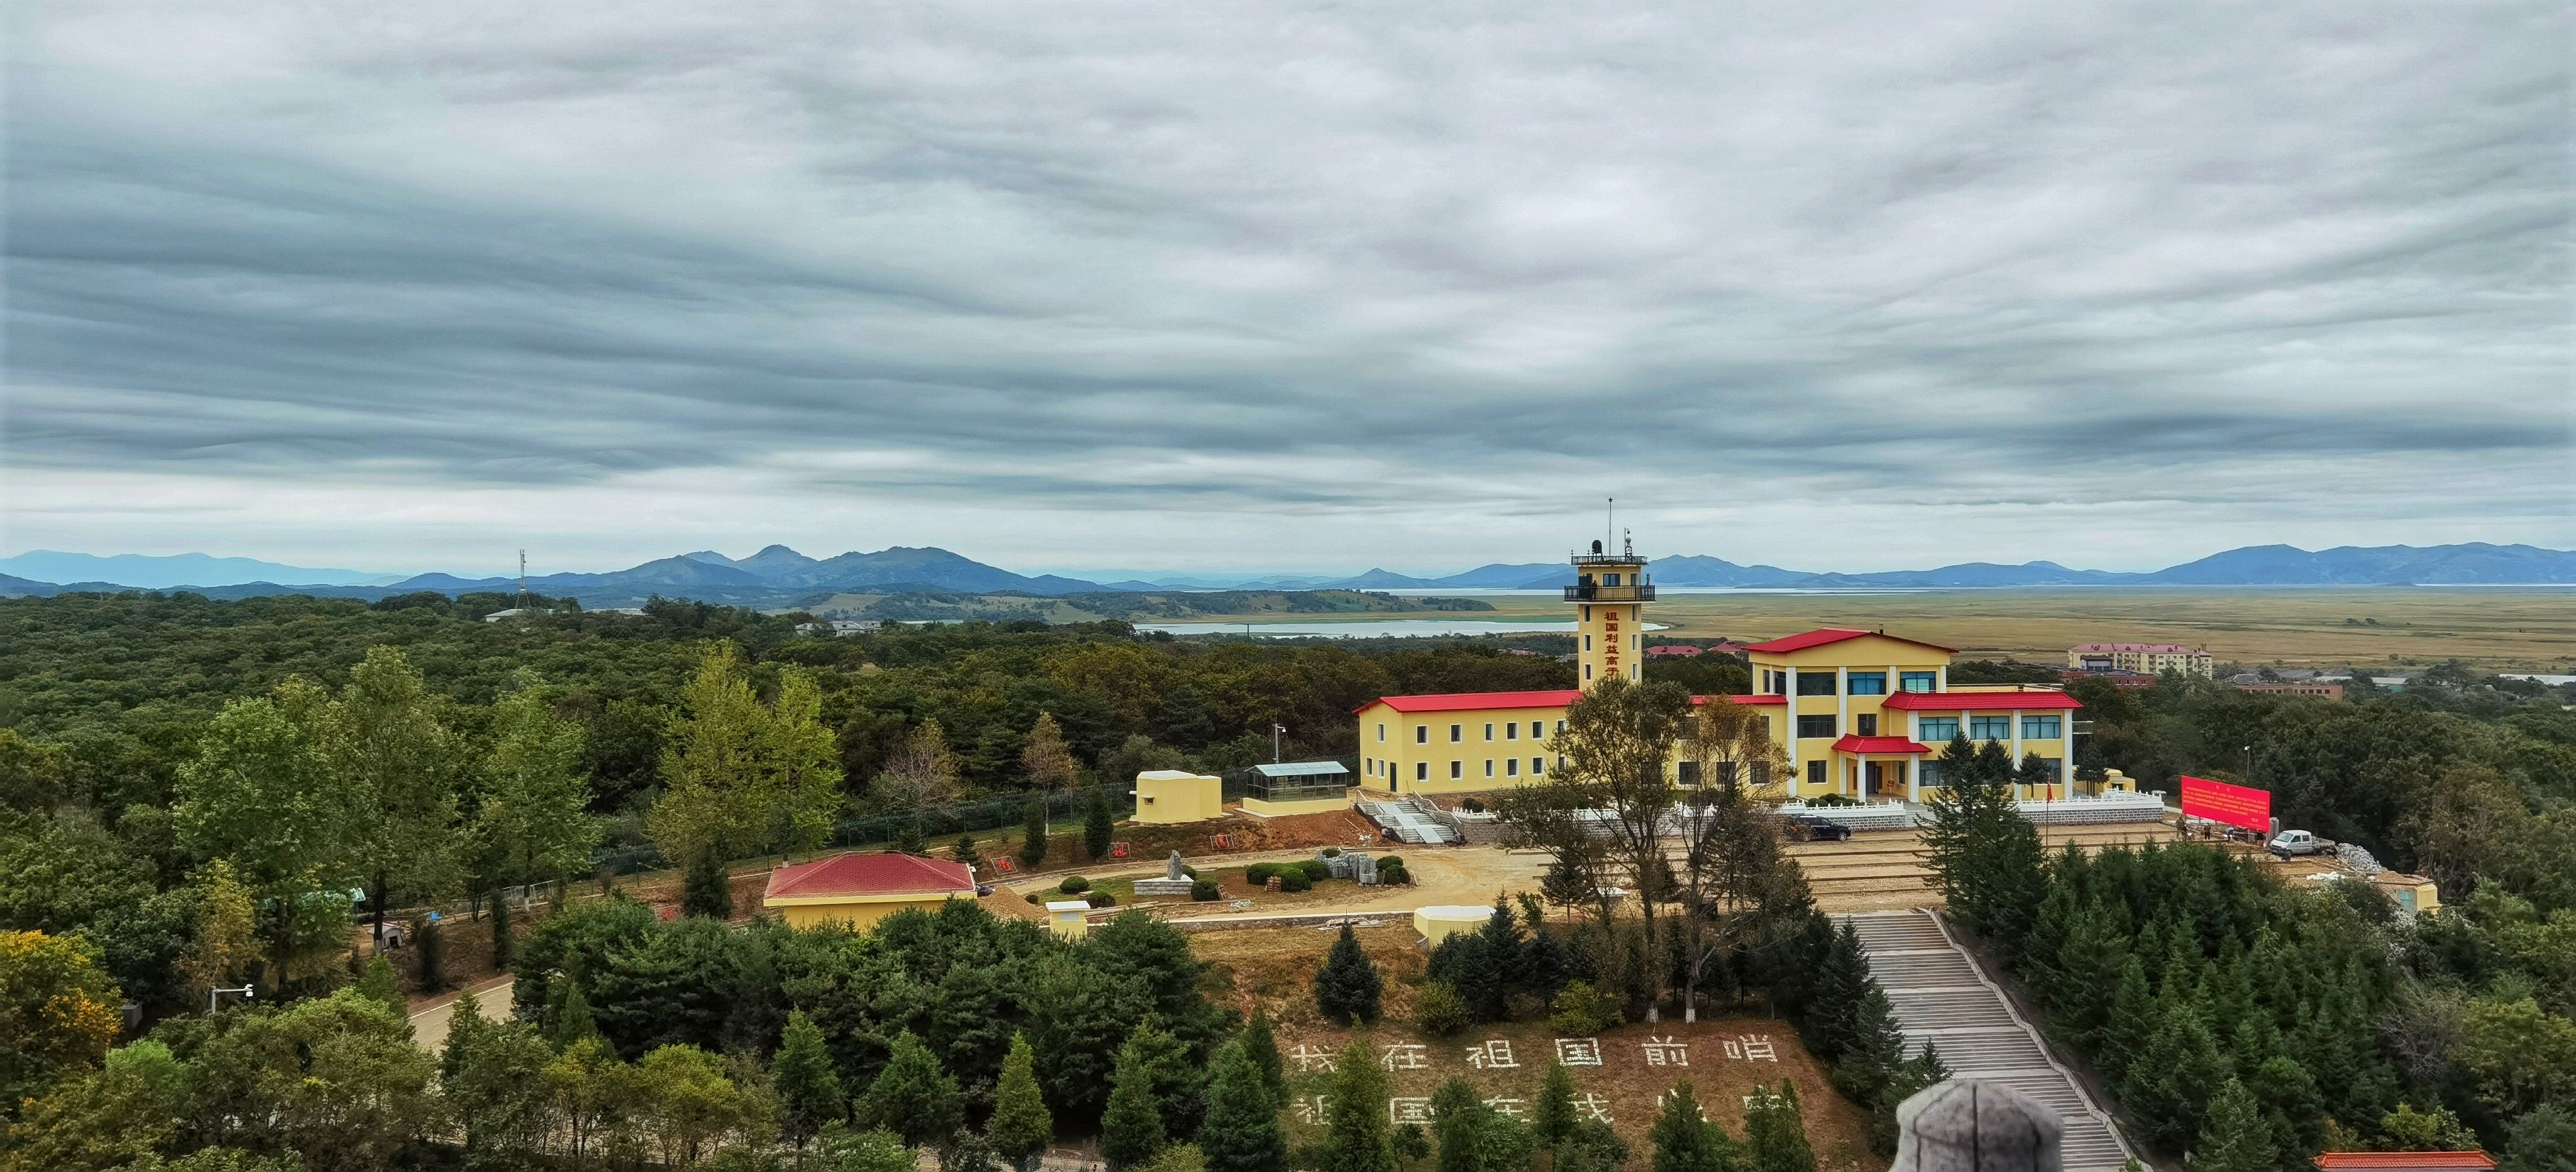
(1863, 683)
(1379, 767)
(1510, 731)
(1936, 729)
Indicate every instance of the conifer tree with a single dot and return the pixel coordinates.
(1775, 1131)
(2131, 1025)
(913, 1095)
(429, 954)
(1033, 834)
(808, 1088)
(1874, 1051)
(2092, 958)
(466, 1029)
(707, 890)
(1833, 1003)
(1242, 1132)
(1021, 1126)
(1552, 1118)
(1543, 960)
(2170, 1090)
(1356, 1136)
(963, 851)
(1131, 1129)
(1566, 882)
(1685, 1140)
(566, 1018)
(2292, 1107)
(1261, 1045)
(380, 985)
(1471, 1136)
(1099, 824)
(2234, 1137)
(1347, 988)
(502, 941)
(1506, 950)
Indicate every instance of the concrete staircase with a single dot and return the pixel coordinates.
(1943, 999)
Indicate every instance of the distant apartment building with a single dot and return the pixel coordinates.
(2322, 689)
(2146, 659)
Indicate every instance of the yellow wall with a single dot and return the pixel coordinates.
(1440, 923)
(1168, 796)
(1268, 809)
(860, 912)
(1391, 756)
(1610, 632)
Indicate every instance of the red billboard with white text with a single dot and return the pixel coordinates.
(2235, 805)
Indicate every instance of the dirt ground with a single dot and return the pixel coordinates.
(1622, 1073)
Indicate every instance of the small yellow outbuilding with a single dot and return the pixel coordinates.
(859, 890)
(1177, 795)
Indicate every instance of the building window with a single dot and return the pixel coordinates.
(1511, 730)
(1689, 775)
(1815, 726)
(1587, 642)
(1761, 773)
(1489, 730)
(1609, 579)
(1489, 767)
(1457, 733)
(1866, 724)
(1989, 728)
(1381, 732)
(1869, 683)
(2047, 763)
(1587, 671)
(1917, 681)
(1511, 767)
(2043, 728)
(1939, 728)
(1927, 773)
(1538, 765)
(1421, 771)
(1560, 728)
(1421, 734)
(1815, 773)
(1457, 769)
(1816, 683)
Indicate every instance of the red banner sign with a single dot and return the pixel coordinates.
(2235, 805)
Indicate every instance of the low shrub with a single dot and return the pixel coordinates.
(1582, 1009)
(1260, 873)
(1332, 852)
(1396, 875)
(1295, 881)
(1205, 891)
(1035, 897)
(1074, 885)
(1439, 1010)
(1100, 899)
(1473, 805)
(1316, 870)
(1384, 861)
(1189, 871)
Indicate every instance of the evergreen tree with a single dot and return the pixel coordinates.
(1131, 1130)
(1566, 882)
(1507, 951)
(1261, 1045)
(380, 985)
(466, 1030)
(1021, 1126)
(1833, 1002)
(2094, 957)
(1912, 1075)
(2292, 1108)
(1356, 1137)
(2131, 1025)
(2170, 1090)
(1992, 867)
(1347, 988)
(1543, 960)
(1471, 1136)
(566, 1018)
(1099, 823)
(1686, 1140)
(2543, 1140)
(808, 1088)
(707, 890)
(1552, 1118)
(2234, 1137)
(1033, 834)
(912, 839)
(1593, 1146)
(1465, 963)
(429, 954)
(502, 942)
(963, 850)
(1775, 1131)
(1175, 1077)
(1874, 1052)
(1242, 1132)
(913, 1095)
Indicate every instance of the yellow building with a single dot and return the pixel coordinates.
(1069, 918)
(859, 890)
(1177, 795)
(1860, 714)
(2142, 659)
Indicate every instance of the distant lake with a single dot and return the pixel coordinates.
(1379, 629)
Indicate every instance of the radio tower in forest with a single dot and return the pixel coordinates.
(522, 602)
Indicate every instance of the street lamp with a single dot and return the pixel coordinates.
(247, 992)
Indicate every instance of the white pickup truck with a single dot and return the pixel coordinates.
(2299, 842)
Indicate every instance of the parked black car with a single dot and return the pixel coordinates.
(1815, 828)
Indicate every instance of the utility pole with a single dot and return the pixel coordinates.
(1276, 728)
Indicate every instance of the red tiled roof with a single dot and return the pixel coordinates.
(1854, 743)
(1824, 635)
(1684, 649)
(1765, 698)
(871, 874)
(1977, 701)
(2158, 648)
(2400, 1160)
(1463, 701)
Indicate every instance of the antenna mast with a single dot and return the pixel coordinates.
(522, 600)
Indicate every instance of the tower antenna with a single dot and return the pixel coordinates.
(1610, 520)
(522, 601)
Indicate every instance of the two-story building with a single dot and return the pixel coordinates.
(1861, 714)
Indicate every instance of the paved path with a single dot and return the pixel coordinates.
(1941, 997)
(429, 1023)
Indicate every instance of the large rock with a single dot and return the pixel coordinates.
(1964, 1125)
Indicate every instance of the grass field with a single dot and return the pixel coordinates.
(2530, 629)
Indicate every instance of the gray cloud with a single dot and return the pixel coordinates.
(2119, 285)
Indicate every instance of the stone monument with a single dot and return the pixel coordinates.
(1175, 881)
(1964, 1125)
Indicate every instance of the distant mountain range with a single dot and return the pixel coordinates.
(779, 576)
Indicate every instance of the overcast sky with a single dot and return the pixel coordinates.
(1076, 285)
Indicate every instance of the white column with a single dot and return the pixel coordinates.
(1789, 713)
(2066, 755)
(1941, 678)
(2016, 731)
(1842, 701)
(1914, 777)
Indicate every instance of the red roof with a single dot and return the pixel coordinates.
(1764, 698)
(2386, 1160)
(878, 874)
(1860, 744)
(1463, 701)
(1684, 649)
(1977, 701)
(1824, 635)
